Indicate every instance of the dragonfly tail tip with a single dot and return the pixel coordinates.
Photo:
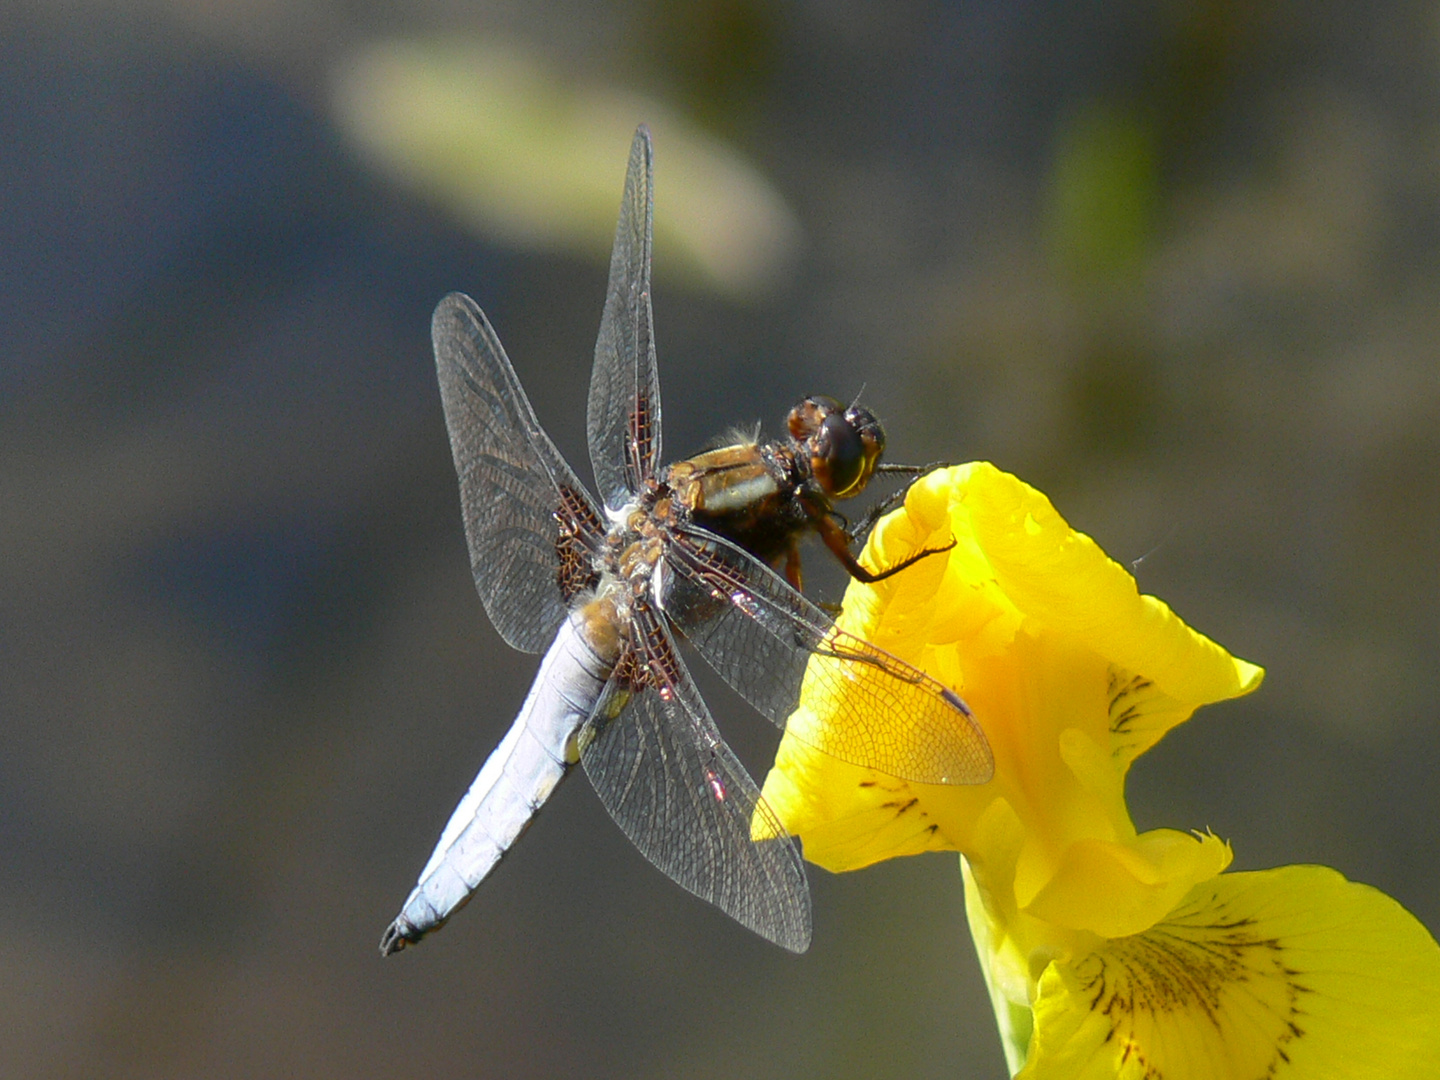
(396, 938)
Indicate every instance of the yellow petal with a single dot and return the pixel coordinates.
(1287, 973)
(1070, 672)
(1017, 567)
(1062, 579)
(1117, 889)
(848, 817)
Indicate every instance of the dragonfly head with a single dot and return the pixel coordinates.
(843, 445)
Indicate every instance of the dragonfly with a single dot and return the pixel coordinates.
(608, 588)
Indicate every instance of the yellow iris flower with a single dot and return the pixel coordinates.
(1108, 953)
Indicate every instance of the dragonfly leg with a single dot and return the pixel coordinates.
(885, 505)
(838, 541)
(792, 567)
(879, 510)
(870, 578)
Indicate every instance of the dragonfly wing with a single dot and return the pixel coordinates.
(623, 415)
(659, 765)
(765, 639)
(512, 479)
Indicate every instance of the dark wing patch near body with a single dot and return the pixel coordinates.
(580, 535)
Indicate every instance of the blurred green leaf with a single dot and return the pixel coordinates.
(520, 154)
(1103, 193)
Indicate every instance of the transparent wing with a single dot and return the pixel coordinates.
(764, 639)
(512, 479)
(623, 415)
(677, 791)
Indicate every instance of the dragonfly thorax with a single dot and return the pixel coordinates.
(623, 561)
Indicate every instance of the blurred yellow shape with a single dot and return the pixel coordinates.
(1108, 953)
(520, 154)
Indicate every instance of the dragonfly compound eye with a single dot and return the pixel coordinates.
(842, 457)
(872, 436)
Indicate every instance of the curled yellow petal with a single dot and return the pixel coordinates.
(1287, 973)
(1062, 579)
(1114, 889)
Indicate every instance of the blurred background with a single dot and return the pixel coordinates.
(1176, 264)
